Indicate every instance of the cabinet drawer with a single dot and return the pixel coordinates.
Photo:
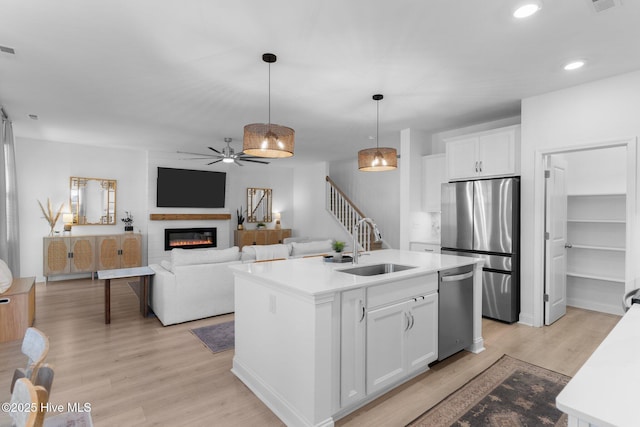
(400, 290)
(424, 247)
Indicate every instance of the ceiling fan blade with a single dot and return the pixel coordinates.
(213, 149)
(237, 162)
(215, 161)
(244, 159)
(193, 154)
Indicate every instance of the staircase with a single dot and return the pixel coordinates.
(348, 215)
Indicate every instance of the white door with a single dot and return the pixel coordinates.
(555, 305)
(422, 339)
(386, 345)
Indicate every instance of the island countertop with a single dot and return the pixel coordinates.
(315, 277)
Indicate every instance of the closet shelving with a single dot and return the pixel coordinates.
(596, 229)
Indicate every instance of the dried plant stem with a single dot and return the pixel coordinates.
(49, 215)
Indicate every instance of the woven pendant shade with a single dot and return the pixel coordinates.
(268, 140)
(377, 159)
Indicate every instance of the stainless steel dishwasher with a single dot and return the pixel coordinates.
(455, 311)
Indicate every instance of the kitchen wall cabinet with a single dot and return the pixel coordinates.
(66, 255)
(434, 173)
(119, 251)
(596, 234)
(484, 154)
(87, 254)
(269, 236)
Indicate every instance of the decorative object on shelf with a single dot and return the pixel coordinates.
(277, 216)
(380, 158)
(227, 155)
(240, 218)
(268, 140)
(338, 247)
(49, 215)
(67, 219)
(128, 221)
(261, 225)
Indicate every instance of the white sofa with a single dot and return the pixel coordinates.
(198, 283)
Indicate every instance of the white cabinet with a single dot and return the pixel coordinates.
(434, 173)
(484, 154)
(352, 347)
(596, 234)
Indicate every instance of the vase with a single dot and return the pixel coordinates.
(128, 228)
(337, 256)
(240, 227)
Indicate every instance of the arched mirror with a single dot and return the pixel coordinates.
(93, 201)
(259, 205)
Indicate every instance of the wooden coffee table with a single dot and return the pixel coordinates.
(142, 272)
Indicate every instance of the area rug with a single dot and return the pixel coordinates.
(508, 393)
(218, 337)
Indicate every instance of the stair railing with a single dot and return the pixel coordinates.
(347, 214)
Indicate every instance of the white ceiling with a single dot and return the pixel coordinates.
(182, 75)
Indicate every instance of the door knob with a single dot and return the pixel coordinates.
(568, 245)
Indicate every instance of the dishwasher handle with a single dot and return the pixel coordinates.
(456, 277)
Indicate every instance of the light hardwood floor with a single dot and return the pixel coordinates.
(135, 372)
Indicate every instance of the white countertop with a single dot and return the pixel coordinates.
(315, 277)
(604, 391)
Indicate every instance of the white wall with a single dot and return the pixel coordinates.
(596, 171)
(376, 194)
(311, 216)
(44, 169)
(604, 110)
(239, 178)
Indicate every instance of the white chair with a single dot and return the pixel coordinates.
(24, 396)
(35, 346)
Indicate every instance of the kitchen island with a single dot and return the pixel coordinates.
(315, 343)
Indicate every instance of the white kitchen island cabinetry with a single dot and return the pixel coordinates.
(485, 154)
(302, 325)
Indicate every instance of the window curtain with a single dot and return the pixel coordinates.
(9, 226)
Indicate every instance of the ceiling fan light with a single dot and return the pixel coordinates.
(227, 160)
(377, 159)
(268, 140)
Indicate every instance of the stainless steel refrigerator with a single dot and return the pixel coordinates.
(482, 219)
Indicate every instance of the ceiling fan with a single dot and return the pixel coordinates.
(227, 155)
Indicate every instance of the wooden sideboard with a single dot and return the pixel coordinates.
(265, 236)
(17, 309)
(87, 254)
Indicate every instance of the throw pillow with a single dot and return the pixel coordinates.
(307, 248)
(6, 278)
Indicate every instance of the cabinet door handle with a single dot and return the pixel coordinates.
(5, 300)
(412, 319)
(428, 250)
(406, 316)
(476, 166)
(362, 310)
(480, 165)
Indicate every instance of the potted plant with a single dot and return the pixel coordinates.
(240, 218)
(261, 225)
(128, 221)
(338, 247)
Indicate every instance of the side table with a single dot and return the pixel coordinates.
(142, 272)
(17, 309)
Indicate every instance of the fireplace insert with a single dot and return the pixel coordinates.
(190, 238)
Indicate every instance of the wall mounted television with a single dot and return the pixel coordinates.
(186, 188)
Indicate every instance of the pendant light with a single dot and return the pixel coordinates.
(380, 158)
(268, 139)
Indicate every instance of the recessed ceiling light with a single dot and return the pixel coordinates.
(526, 10)
(574, 65)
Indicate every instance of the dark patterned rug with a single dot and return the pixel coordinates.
(218, 337)
(508, 393)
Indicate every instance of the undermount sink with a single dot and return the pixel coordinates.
(375, 269)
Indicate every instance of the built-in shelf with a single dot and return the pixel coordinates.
(596, 261)
(595, 277)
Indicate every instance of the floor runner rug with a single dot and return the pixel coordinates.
(508, 393)
(218, 337)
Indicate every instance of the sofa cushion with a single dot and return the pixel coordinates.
(265, 252)
(307, 248)
(181, 256)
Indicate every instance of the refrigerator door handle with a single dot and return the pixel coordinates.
(456, 277)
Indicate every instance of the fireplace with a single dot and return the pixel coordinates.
(189, 238)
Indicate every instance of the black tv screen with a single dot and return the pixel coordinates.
(185, 188)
